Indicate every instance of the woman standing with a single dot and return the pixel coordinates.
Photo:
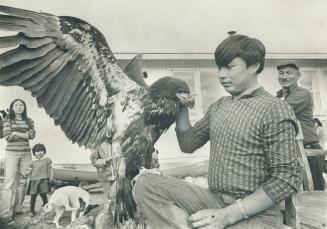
(18, 129)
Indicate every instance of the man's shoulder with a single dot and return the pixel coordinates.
(272, 100)
(302, 91)
(219, 101)
(277, 105)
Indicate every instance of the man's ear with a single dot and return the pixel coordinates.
(254, 68)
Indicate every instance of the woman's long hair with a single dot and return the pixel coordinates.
(12, 114)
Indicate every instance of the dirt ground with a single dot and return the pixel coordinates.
(41, 220)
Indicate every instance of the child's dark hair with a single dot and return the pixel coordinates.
(251, 50)
(38, 147)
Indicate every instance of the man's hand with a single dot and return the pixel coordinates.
(15, 133)
(210, 218)
(108, 160)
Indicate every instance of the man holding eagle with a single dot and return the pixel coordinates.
(68, 66)
(253, 153)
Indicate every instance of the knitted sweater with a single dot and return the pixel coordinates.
(16, 143)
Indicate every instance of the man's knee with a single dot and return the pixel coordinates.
(141, 187)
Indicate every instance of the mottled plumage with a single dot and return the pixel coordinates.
(68, 66)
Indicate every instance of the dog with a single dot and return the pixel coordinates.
(69, 198)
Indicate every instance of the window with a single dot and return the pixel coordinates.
(205, 87)
(306, 78)
(211, 88)
(309, 80)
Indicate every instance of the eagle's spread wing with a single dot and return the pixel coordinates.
(67, 65)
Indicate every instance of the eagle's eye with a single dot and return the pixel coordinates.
(180, 90)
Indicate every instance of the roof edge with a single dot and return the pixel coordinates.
(211, 55)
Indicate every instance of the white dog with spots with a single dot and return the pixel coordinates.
(69, 198)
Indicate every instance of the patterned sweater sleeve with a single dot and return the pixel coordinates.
(7, 131)
(279, 133)
(31, 131)
(196, 136)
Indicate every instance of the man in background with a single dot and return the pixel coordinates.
(301, 101)
(101, 159)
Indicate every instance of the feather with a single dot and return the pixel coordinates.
(22, 53)
(74, 112)
(8, 20)
(82, 116)
(7, 73)
(21, 39)
(38, 77)
(67, 111)
(66, 97)
(37, 17)
(62, 88)
(54, 85)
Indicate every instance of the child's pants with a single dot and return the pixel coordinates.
(33, 200)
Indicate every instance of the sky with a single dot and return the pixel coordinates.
(196, 25)
(174, 26)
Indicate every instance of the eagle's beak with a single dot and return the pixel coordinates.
(186, 99)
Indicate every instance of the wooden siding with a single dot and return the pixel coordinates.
(210, 63)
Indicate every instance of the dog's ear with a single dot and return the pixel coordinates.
(82, 204)
(90, 207)
(48, 207)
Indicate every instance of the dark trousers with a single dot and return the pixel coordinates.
(316, 164)
(167, 202)
(33, 200)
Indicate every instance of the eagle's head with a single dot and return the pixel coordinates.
(166, 95)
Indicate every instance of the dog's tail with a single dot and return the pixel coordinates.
(48, 207)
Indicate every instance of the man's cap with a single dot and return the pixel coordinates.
(288, 63)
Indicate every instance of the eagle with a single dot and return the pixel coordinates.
(69, 68)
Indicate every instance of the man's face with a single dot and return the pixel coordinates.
(288, 76)
(236, 77)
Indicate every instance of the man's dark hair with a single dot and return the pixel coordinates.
(251, 50)
(38, 147)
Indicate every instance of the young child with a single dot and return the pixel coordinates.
(40, 175)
